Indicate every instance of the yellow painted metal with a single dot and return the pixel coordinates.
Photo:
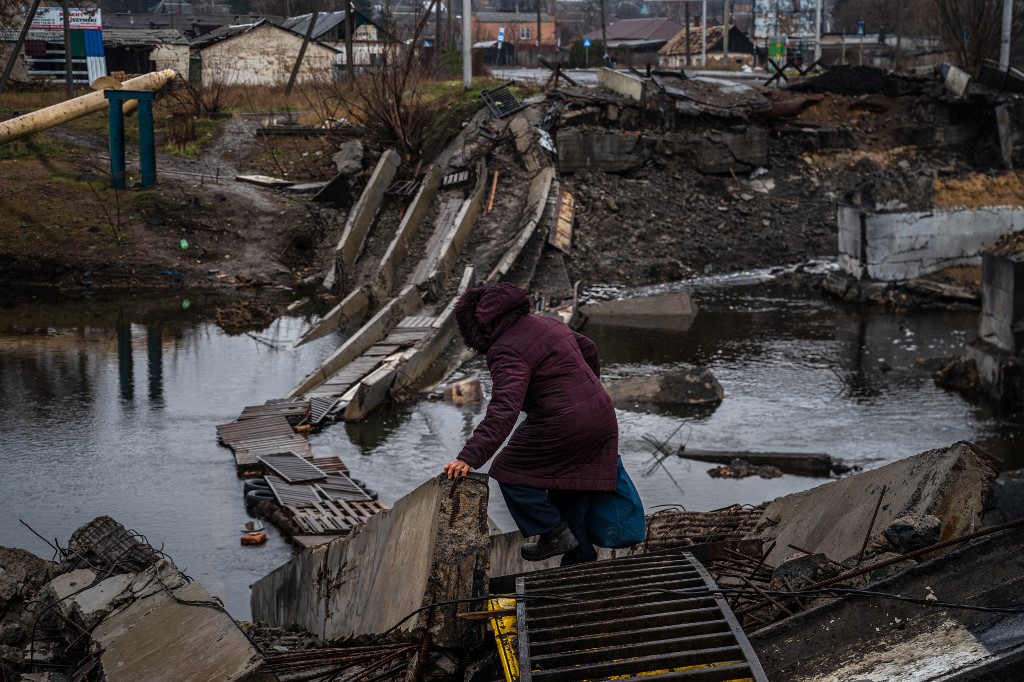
(506, 636)
(48, 117)
(688, 667)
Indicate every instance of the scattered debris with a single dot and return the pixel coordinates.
(682, 386)
(244, 316)
(739, 468)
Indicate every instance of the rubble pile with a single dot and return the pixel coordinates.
(116, 609)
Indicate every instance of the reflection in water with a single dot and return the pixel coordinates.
(800, 374)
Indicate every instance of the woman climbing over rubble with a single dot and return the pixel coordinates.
(566, 450)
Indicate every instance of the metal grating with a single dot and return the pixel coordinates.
(380, 663)
(341, 487)
(455, 179)
(294, 411)
(651, 616)
(320, 407)
(291, 493)
(250, 439)
(332, 518)
(292, 468)
(501, 101)
(403, 187)
(330, 464)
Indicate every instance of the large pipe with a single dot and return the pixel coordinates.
(49, 117)
(1004, 47)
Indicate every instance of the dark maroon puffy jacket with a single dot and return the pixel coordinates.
(540, 366)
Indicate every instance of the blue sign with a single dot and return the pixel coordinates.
(586, 42)
(967, 34)
(860, 28)
(426, 42)
(501, 35)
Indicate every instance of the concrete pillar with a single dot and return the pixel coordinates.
(431, 547)
(1002, 305)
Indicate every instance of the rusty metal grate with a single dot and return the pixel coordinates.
(291, 493)
(379, 663)
(332, 518)
(652, 616)
(341, 487)
(501, 101)
(292, 468)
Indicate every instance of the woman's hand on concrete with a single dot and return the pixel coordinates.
(456, 469)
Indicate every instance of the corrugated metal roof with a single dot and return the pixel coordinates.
(111, 36)
(511, 17)
(659, 28)
(325, 21)
(225, 32)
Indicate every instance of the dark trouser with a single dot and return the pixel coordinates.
(537, 512)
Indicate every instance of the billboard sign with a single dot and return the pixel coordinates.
(52, 18)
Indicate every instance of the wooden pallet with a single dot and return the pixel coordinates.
(332, 518)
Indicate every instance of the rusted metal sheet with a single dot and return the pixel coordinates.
(292, 468)
(560, 235)
(320, 407)
(653, 616)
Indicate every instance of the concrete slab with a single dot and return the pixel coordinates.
(432, 546)
(69, 584)
(90, 607)
(668, 311)
(160, 637)
(950, 483)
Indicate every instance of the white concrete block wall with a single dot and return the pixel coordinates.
(265, 56)
(902, 246)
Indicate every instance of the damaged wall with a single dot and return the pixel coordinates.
(431, 546)
(901, 246)
(264, 56)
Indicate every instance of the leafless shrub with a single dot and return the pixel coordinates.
(980, 21)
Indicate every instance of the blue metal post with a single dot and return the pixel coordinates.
(147, 141)
(116, 133)
(147, 138)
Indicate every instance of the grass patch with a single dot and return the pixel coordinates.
(31, 146)
(189, 137)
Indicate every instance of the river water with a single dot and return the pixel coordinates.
(111, 408)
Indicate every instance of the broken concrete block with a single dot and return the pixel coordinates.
(94, 604)
(69, 584)
(18, 568)
(176, 632)
(674, 312)
(685, 386)
(950, 483)
(720, 153)
(910, 533)
(432, 546)
(956, 80)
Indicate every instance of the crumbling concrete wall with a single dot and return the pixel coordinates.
(835, 518)
(901, 246)
(623, 83)
(607, 151)
(1002, 301)
(432, 546)
(265, 56)
(383, 282)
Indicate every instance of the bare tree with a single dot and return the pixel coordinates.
(971, 29)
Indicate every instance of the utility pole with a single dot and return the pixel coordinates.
(69, 74)
(687, 11)
(726, 21)
(1004, 47)
(704, 34)
(538, 31)
(817, 28)
(467, 48)
(302, 53)
(604, 35)
(350, 22)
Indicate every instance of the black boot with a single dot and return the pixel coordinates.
(558, 541)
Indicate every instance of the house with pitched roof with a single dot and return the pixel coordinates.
(636, 41)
